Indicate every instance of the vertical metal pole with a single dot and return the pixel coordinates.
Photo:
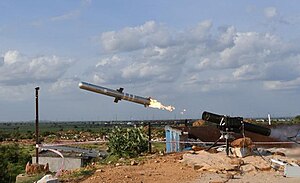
(227, 141)
(37, 124)
(149, 137)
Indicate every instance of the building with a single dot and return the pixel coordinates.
(173, 137)
(66, 157)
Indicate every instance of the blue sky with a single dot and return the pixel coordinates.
(238, 58)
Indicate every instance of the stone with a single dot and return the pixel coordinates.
(279, 153)
(229, 176)
(122, 160)
(262, 165)
(99, 170)
(242, 142)
(217, 181)
(248, 168)
(197, 167)
(132, 163)
(197, 148)
(213, 151)
(36, 168)
(242, 151)
(237, 162)
(48, 179)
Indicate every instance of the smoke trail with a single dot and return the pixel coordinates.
(281, 132)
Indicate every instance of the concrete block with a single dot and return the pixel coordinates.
(291, 171)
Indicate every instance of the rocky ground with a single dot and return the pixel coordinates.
(155, 168)
(192, 167)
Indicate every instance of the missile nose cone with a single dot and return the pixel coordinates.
(80, 85)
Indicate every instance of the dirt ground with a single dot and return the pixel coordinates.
(156, 168)
(171, 168)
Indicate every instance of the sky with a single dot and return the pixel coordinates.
(238, 58)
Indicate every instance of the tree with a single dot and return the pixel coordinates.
(13, 161)
(297, 119)
(127, 142)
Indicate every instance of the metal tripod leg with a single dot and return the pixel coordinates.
(227, 146)
(214, 143)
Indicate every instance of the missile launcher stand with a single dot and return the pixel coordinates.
(226, 133)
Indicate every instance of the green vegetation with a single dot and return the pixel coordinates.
(296, 119)
(52, 130)
(127, 142)
(158, 147)
(13, 161)
(78, 174)
(31, 178)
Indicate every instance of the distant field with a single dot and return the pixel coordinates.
(92, 126)
(96, 126)
(51, 127)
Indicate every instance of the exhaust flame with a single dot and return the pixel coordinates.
(155, 104)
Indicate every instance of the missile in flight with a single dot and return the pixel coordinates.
(118, 94)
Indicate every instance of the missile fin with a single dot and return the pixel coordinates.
(120, 90)
(117, 99)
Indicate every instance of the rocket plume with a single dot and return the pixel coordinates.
(155, 104)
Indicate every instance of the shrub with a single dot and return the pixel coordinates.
(296, 119)
(128, 142)
(13, 161)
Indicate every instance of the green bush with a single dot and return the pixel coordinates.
(127, 142)
(13, 161)
(296, 119)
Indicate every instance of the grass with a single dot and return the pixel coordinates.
(158, 147)
(30, 179)
(78, 174)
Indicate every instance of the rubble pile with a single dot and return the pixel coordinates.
(244, 158)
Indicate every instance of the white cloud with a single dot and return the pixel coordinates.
(108, 61)
(11, 57)
(1, 61)
(134, 38)
(20, 70)
(247, 72)
(227, 37)
(16, 93)
(153, 53)
(64, 85)
(201, 32)
(270, 12)
(283, 85)
(248, 47)
(66, 16)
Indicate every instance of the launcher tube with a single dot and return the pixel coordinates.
(215, 118)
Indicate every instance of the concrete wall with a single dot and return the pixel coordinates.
(55, 163)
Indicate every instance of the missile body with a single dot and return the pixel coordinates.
(118, 94)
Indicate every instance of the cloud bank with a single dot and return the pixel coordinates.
(17, 69)
(198, 57)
